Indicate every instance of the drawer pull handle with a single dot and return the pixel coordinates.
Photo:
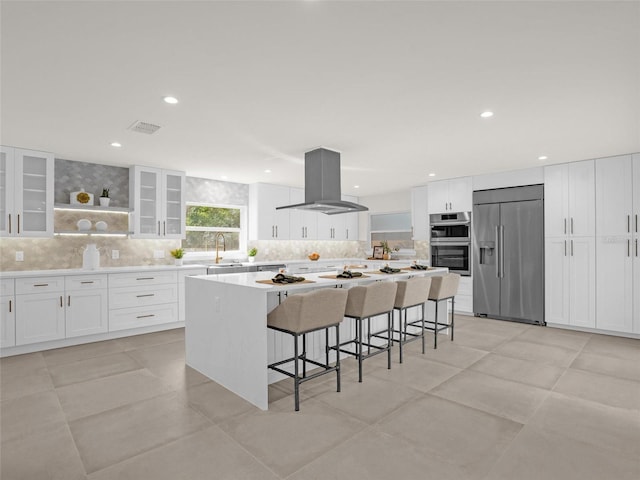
(9, 306)
(40, 284)
(61, 305)
(145, 278)
(146, 295)
(87, 281)
(146, 316)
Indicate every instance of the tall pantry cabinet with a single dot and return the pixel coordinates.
(570, 260)
(617, 235)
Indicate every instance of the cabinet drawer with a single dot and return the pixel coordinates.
(39, 285)
(126, 318)
(466, 286)
(7, 286)
(123, 297)
(141, 278)
(85, 282)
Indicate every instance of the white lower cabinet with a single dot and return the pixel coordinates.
(142, 299)
(7, 313)
(87, 310)
(615, 284)
(40, 317)
(464, 297)
(570, 281)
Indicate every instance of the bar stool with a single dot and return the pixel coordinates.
(363, 303)
(305, 313)
(443, 288)
(411, 293)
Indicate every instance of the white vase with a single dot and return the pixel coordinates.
(104, 201)
(252, 259)
(178, 261)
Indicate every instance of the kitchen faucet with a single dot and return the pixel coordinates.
(224, 245)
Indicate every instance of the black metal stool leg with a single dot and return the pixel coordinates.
(400, 330)
(390, 341)
(453, 306)
(296, 379)
(435, 328)
(337, 355)
(423, 319)
(304, 355)
(360, 351)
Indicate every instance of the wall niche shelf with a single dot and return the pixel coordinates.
(89, 233)
(91, 208)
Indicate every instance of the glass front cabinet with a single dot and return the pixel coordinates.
(26, 193)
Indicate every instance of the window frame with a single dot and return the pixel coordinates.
(242, 231)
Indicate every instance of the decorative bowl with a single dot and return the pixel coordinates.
(101, 226)
(84, 225)
(314, 256)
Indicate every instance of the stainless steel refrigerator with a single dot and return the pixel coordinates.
(508, 253)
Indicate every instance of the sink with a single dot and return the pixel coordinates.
(221, 268)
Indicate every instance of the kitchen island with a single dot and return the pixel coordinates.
(226, 331)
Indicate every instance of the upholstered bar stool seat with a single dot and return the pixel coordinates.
(363, 303)
(443, 288)
(305, 313)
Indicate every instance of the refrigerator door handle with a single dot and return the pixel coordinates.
(498, 249)
(501, 251)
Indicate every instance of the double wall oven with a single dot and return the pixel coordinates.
(451, 241)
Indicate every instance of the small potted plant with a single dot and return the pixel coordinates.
(386, 250)
(252, 254)
(104, 197)
(177, 253)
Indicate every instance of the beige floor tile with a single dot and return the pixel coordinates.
(176, 375)
(523, 371)
(49, 454)
(479, 339)
(557, 337)
(124, 432)
(616, 347)
(21, 364)
(538, 353)
(149, 339)
(215, 402)
(369, 401)
(418, 373)
(286, 440)
(204, 455)
(608, 365)
(94, 396)
(29, 414)
(494, 395)
(374, 455)
(593, 423)
(537, 454)
(60, 356)
(616, 392)
(453, 354)
(92, 368)
(490, 325)
(444, 430)
(15, 384)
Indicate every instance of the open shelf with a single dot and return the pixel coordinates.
(90, 208)
(92, 232)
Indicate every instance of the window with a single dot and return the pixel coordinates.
(205, 222)
(393, 228)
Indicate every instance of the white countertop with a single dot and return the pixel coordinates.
(81, 271)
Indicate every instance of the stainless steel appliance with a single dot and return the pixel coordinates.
(451, 241)
(508, 253)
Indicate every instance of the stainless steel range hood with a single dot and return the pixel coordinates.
(322, 191)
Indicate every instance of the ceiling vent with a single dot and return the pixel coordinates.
(144, 127)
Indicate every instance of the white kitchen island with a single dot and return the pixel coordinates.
(226, 331)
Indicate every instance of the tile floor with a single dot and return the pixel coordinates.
(504, 401)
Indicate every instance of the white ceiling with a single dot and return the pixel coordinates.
(397, 87)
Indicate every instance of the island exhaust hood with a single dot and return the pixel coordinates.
(322, 191)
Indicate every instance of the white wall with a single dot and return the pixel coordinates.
(514, 178)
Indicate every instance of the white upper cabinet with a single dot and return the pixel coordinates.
(569, 191)
(331, 227)
(158, 202)
(265, 222)
(614, 196)
(26, 193)
(351, 227)
(419, 213)
(450, 195)
(303, 224)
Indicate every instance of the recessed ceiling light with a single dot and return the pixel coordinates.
(116, 144)
(356, 186)
(432, 174)
(224, 177)
(267, 171)
(542, 157)
(486, 114)
(171, 100)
